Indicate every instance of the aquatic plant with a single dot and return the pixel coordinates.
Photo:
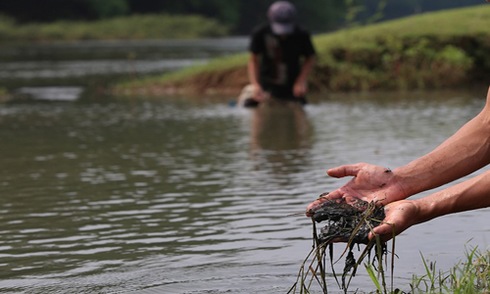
(351, 223)
(345, 223)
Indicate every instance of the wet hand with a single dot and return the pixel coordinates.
(300, 89)
(369, 183)
(259, 93)
(400, 215)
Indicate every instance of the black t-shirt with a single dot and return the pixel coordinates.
(280, 58)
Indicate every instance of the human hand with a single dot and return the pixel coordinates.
(259, 94)
(399, 216)
(299, 89)
(369, 183)
(347, 222)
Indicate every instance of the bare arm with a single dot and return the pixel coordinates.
(461, 154)
(253, 76)
(464, 152)
(468, 195)
(301, 83)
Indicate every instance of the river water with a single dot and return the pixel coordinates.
(182, 196)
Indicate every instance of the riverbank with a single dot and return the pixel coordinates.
(443, 49)
(136, 27)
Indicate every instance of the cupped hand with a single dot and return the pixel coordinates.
(369, 183)
(399, 216)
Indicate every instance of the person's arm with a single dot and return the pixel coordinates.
(253, 76)
(468, 195)
(464, 152)
(301, 84)
(461, 154)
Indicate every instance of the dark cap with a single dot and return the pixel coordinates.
(282, 15)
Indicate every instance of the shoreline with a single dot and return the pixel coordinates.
(444, 49)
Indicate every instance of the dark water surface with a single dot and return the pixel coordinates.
(172, 196)
(89, 64)
(179, 197)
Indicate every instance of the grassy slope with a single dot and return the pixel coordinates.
(472, 20)
(388, 44)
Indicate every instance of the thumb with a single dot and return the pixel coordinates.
(344, 170)
(385, 230)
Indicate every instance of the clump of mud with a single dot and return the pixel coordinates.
(341, 222)
(347, 223)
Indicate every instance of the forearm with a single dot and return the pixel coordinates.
(253, 69)
(400, 215)
(463, 153)
(471, 194)
(306, 69)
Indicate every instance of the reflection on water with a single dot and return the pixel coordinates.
(24, 70)
(280, 127)
(280, 134)
(146, 49)
(171, 197)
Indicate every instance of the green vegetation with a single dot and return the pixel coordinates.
(239, 16)
(467, 277)
(433, 50)
(156, 26)
(470, 276)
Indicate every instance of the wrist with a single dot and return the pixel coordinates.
(425, 210)
(406, 182)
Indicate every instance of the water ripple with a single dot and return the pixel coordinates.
(123, 197)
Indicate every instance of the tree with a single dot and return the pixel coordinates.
(240, 16)
(109, 8)
(52, 10)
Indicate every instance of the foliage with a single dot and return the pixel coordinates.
(416, 51)
(109, 8)
(225, 11)
(401, 63)
(155, 26)
(469, 276)
(239, 16)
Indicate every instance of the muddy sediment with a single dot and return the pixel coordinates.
(343, 222)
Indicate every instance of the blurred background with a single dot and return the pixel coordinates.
(239, 17)
(164, 194)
